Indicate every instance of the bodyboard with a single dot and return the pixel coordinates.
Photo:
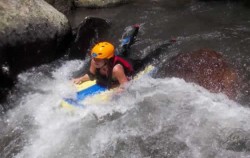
(84, 90)
(91, 88)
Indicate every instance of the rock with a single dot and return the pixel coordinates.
(98, 3)
(34, 19)
(64, 6)
(87, 33)
(206, 68)
(32, 32)
(174, 4)
(246, 3)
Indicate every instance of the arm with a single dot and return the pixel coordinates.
(119, 74)
(85, 77)
(81, 79)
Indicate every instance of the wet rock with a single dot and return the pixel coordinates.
(206, 68)
(87, 33)
(64, 6)
(246, 3)
(98, 3)
(5, 84)
(176, 3)
(32, 32)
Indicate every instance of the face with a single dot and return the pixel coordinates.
(99, 63)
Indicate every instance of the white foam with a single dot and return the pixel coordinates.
(147, 108)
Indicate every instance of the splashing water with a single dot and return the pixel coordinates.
(153, 118)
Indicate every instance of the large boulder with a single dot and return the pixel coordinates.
(64, 6)
(206, 68)
(98, 3)
(89, 31)
(32, 32)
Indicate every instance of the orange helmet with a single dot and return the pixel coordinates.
(103, 50)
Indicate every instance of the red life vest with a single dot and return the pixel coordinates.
(126, 65)
(107, 81)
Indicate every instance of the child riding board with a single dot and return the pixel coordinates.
(108, 69)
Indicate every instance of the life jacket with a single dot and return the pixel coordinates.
(128, 68)
(108, 81)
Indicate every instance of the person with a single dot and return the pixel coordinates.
(108, 69)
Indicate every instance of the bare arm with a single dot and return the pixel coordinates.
(119, 74)
(81, 79)
(85, 77)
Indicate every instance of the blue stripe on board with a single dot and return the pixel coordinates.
(90, 91)
(81, 95)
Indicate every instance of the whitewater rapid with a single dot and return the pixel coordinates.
(153, 118)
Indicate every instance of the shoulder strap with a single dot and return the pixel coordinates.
(128, 69)
(127, 66)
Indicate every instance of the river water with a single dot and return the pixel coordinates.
(154, 118)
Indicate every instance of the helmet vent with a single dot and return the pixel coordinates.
(103, 50)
